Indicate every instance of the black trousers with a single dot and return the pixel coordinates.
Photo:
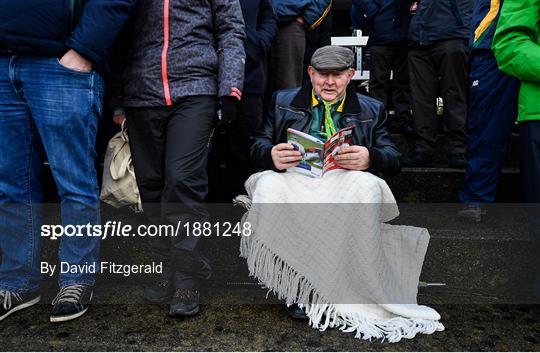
(239, 140)
(440, 69)
(530, 188)
(384, 59)
(287, 57)
(170, 147)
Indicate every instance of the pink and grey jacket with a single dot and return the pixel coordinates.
(177, 49)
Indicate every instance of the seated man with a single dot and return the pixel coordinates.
(330, 103)
(323, 243)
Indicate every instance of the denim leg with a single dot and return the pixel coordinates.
(21, 162)
(66, 106)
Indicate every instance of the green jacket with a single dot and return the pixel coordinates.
(516, 45)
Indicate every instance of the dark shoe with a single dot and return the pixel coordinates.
(418, 160)
(185, 302)
(160, 291)
(11, 302)
(71, 302)
(296, 313)
(457, 160)
(471, 213)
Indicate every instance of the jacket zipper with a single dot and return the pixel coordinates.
(164, 74)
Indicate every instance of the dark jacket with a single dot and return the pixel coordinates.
(385, 21)
(261, 28)
(312, 11)
(437, 20)
(483, 24)
(198, 49)
(292, 109)
(51, 28)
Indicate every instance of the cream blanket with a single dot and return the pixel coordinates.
(323, 243)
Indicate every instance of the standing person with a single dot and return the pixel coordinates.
(516, 45)
(492, 113)
(438, 66)
(295, 17)
(387, 24)
(315, 39)
(51, 89)
(186, 58)
(261, 29)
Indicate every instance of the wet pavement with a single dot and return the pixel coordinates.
(258, 327)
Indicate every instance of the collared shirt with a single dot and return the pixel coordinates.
(317, 123)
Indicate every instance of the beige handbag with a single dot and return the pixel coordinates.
(119, 186)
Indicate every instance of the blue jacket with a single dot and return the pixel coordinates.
(385, 21)
(51, 28)
(437, 20)
(261, 28)
(312, 11)
(484, 22)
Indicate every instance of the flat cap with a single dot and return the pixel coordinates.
(332, 58)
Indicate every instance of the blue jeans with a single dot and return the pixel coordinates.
(46, 109)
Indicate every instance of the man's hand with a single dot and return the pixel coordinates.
(229, 105)
(119, 116)
(353, 158)
(285, 156)
(74, 61)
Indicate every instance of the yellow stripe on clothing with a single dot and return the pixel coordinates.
(488, 19)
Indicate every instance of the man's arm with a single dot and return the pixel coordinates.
(315, 14)
(100, 22)
(515, 43)
(263, 141)
(384, 156)
(230, 36)
(267, 26)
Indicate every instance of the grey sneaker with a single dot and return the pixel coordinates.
(11, 302)
(185, 302)
(471, 213)
(71, 302)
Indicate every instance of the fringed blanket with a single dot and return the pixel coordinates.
(323, 243)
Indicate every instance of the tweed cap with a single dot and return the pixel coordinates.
(332, 58)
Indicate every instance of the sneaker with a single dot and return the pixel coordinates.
(471, 213)
(160, 291)
(11, 302)
(296, 313)
(457, 160)
(185, 302)
(71, 302)
(418, 160)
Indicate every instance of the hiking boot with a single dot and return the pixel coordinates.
(296, 313)
(11, 302)
(418, 160)
(160, 291)
(185, 302)
(71, 302)
(471, 213)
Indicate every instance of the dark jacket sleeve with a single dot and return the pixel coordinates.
(317, 12)
(97, 28)
(230, 37)
(267, 25)
(120, 54)
(264, 140)
(384, 156)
